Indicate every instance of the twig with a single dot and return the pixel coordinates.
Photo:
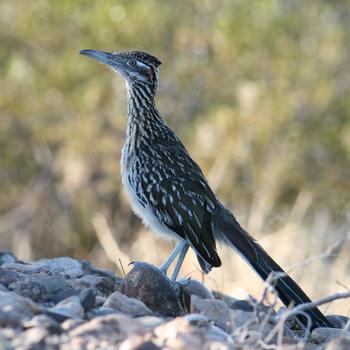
(122, 267)
(300, 310)
(313, 304)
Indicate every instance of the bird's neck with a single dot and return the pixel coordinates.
(142, 111)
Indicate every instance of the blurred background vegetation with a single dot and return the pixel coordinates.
(259, 91)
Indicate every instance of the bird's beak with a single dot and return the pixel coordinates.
(106, 58)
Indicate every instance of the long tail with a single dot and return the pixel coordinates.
(227, 229)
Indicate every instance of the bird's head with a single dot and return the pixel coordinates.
(135, 67)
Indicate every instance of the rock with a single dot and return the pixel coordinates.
(150, 322)
(179, 334)
(40, 286)
(247, 328)
(68, 308)
(338, 321)
(323, 334)
(8, 277)
(300, 346)
(138, 343)
(198, 320)
(212, 333)
(7, 257)
(78, 306)
(103, 285)
(6, 335)
(71, 323)
(215, 310)
(227, 299)
(216, 334)
(100, 311)
(244, 305)
(63, 294)
(215, 345)
(66, 267)
(14, 309)
(339, 344)
(43, 321)
(5, 344)
(100, 300)
(87, 298)
(33, 338)
(192, 286)
(164, 297)
(128, 306)
(111, 328)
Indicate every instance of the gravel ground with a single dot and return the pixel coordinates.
(64, 303)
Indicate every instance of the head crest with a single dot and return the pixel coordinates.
(142, 56)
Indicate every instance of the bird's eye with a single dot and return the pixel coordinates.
(132, 63)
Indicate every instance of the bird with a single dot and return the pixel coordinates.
(170, 193)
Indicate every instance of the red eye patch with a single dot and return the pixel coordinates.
(150, 73)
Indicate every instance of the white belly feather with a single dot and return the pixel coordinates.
(146, 213)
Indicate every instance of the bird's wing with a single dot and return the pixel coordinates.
(181, 198)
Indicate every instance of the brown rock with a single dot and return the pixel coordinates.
(163, 296)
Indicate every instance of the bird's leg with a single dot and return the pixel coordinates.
(179, 262)
(178, 250)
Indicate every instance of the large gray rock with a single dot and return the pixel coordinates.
(125, 305)
(68, 308)
(40, 287)
(103, 285)
(215, 310)
(194, 287)
(7, 257)
(66, 267)
(14, 309)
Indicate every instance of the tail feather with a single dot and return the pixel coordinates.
(226, 228)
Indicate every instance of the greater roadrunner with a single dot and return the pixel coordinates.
(169, 191)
